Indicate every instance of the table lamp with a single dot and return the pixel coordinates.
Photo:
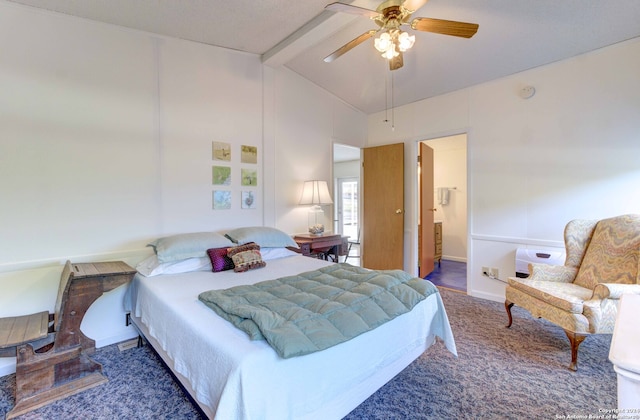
(316, 194)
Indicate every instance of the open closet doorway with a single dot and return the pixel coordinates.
(346, 176)
(442, 192)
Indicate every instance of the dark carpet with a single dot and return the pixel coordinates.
(500, 373)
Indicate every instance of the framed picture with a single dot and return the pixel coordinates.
(248, 154)
(221, 151)
(248, 200)
(221, 175)
(221, 200)
(249, 177)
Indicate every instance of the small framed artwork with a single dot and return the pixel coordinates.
(221, 200)
(248, 200)
(249, 154)
(221, 151)
(221, 175)
(249, 177)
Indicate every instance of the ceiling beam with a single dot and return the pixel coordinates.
(317, 29)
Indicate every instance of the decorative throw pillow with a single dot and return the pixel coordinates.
(231, 251)
(220, 261)
(246, 257)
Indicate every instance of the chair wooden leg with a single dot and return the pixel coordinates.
(575, 339)
(507, 306)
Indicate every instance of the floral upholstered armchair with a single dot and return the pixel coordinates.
(582, 296)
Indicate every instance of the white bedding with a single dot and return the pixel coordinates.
(232, 377)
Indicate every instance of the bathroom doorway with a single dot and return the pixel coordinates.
(449, 210)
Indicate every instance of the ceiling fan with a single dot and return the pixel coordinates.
(390, 16)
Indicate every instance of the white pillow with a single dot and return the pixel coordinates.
(150, 267)
(275, 253)
(188, 245)
(266, 237)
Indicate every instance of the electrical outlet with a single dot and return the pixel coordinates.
(485, 271)
(494, 273)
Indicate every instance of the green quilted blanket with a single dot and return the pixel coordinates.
(315, 310)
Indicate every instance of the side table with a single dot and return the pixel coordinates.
(90, 281)
(54, 363)
(322, 245)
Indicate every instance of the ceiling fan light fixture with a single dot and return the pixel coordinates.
(383, 42)
(405, 41)
(391, 52)
(390, 16)
(392, 41)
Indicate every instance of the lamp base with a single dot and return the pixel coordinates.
(316, 217)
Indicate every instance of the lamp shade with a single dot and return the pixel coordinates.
(315, 193)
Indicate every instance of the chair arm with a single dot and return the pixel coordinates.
(548, 272)
(614, 290)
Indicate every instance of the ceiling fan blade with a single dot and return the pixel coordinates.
(396, 62)
(414, 5)
(349, 45)
(354, 10)
(445, 27)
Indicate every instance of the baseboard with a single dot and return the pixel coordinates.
(7, 365)
(486, 296)
(456, 259)
(127, 335)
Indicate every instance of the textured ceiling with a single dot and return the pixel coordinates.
(514, 35)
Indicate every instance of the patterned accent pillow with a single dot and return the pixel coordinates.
(220, 261)
(246, 257)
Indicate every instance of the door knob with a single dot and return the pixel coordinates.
(398, 211)
(432, 209)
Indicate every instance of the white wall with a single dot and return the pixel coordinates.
(309, 120)
(106, 143)
(569, 152)
(347, 169)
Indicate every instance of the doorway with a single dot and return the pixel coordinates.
(450, 210)
(347, 186)
(348, 208)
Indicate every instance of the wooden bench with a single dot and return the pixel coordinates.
(52, 353)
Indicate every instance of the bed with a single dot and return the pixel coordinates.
(230, 376)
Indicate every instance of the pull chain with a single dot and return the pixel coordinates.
(393, 120)
(386, 98)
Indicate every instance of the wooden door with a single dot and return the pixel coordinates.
(382, 230)
(426, 237)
